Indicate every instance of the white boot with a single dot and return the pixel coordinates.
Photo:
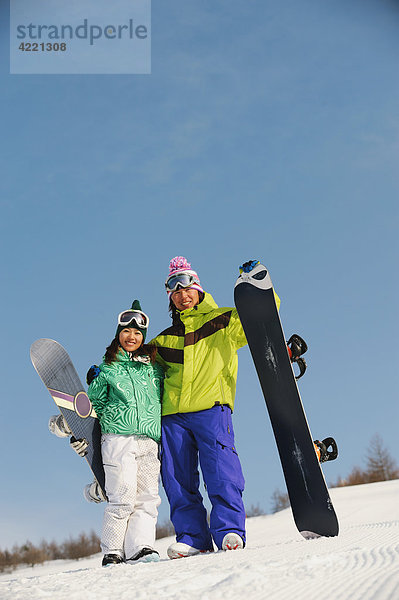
(181, 550)
(232, 541)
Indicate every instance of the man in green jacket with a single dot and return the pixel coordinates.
(199, 355)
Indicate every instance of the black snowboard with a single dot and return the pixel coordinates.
(311, 505)
(58, 374)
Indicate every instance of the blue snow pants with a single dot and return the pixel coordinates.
(208, 436)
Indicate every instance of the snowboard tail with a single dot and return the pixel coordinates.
(58, 374)
(311, 505)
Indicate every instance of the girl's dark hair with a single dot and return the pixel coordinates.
(144, 350)
(175, 314)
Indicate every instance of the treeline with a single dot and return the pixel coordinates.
(72, 549)
(30, 555)
(379, 466)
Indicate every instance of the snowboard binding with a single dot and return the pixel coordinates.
(322, 449)
(296, 347)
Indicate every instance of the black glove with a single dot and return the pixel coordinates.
(92, 373)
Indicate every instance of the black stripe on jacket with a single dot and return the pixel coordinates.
(175, 355)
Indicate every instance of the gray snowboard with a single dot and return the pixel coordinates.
(58, 374)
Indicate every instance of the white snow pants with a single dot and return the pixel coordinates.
(131, 468)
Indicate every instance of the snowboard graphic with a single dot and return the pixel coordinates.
(311, 505)
(58, 374)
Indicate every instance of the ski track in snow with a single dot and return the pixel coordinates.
(362, 563)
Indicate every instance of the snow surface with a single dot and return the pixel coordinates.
(361, 563)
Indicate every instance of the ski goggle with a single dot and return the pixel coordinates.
(182, 280)
(128, 316)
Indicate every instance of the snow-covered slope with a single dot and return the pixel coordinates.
(361, 563)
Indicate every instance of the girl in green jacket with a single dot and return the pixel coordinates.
(126, 396)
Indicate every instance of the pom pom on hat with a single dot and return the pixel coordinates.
(136, 305)
(179, 263)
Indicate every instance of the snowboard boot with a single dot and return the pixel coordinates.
(181, 550)
(322, 449)
(144, 555)
(232, 541)
(296, 347)
(112, 559)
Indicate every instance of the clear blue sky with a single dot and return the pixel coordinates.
(266, 130)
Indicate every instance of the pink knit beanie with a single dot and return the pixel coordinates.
(179, 264)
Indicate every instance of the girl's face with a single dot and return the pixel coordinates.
(130, 339)
(185, 298)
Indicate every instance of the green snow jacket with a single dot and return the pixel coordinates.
(127, 396)
(199, 356)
